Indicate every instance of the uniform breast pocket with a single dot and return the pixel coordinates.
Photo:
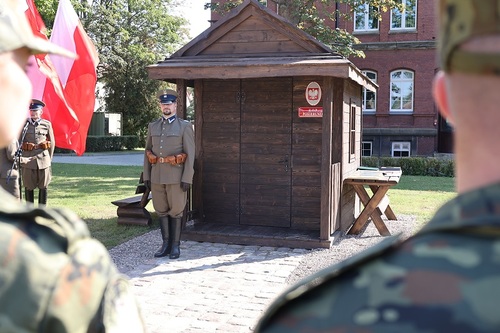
(156, 139)
(42, 133)
(174, 138)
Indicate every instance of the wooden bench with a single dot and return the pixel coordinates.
(132, 211)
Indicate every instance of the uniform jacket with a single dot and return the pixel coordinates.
(56, 278)
(37, 134)
(446, 278)
(7, 155)
(166, 139)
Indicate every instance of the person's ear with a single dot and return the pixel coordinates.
(440, 95)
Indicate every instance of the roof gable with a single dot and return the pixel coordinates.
(252, 30)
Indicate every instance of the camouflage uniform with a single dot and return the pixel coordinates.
(444, 279)
(55, 278)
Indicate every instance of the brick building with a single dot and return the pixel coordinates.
(400, 119)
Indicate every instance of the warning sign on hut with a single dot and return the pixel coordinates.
(310, 112)
(313, 93)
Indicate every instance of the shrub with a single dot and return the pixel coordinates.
(414, 166)
(108, 143)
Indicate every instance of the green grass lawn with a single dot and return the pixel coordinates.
(421, 196)
(89, 190)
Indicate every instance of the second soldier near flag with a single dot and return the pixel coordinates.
(38, 146)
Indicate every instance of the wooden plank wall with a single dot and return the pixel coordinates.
(352, 97)
(265, 148)
(221, 151)
(252, 36)
(306, 163)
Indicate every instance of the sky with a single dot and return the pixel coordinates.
(194, 11)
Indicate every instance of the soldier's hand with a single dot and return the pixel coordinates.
(185, 186)
(147, 183)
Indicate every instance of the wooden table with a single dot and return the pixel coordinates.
(379, 181)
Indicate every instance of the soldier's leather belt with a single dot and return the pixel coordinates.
(29, 146)
(171, 159)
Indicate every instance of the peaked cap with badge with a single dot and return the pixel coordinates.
(36, 105)
(167, 96)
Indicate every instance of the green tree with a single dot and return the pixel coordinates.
(129, 35)
(318, 17)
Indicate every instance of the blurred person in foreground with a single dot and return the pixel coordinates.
(446, 278)
(9, 169)
(53, 276)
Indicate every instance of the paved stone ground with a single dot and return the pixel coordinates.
(212, 287)
(216, 287)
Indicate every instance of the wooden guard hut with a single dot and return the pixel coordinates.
(278, 127)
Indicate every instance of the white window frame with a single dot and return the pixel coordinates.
(401, 83)
(363, 149)
(404, 16)
(366, 110)
(365, 12)
(401, 148)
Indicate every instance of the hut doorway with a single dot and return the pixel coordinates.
(247, 148)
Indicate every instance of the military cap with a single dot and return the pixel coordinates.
(36, 105)
(15, 31)
(167, 96)
(459, 22)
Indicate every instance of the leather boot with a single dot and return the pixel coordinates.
(166, 245)
(175, 232)
(42, 196)
(30, 195)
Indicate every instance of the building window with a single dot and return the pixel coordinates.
(263, 2)
(366, 18)
(352, 132)
(402, 91)
(366, 149)
(401, 149)
(406, 19)
(370, 97)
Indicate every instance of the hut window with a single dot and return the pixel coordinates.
(366, 148)
(352, 131)
(366, 18)
(370, 97)
(402, 91)
(406, 19)
(401, 149)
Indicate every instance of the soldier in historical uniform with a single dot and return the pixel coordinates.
(446, 278)
(168, 170)
(54, 277)
(9, 173)
(38, 146)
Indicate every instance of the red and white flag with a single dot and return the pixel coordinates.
(66, 86)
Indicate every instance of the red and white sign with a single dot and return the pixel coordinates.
(313, 93)
(308, 112)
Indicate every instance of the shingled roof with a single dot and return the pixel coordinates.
(253, 41)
